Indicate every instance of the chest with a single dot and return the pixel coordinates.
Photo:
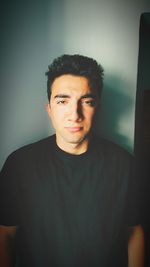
(90, 196)
(70, 210)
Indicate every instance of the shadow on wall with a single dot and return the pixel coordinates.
(116, 108)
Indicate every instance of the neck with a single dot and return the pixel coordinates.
(73, 148)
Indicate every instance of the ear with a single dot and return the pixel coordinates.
(48, 109)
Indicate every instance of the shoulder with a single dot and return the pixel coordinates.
(34, 151)
(108, 146)
(111, 151)
(34, 148)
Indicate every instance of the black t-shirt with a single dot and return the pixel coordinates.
(71, 210)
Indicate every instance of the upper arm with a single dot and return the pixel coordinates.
(136, 247)
(7, 245)
(9, 193)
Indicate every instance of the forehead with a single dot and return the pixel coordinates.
(71, 84)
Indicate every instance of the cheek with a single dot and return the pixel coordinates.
(58, 115)
(89, 115)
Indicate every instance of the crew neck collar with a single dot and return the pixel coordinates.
(73, 157)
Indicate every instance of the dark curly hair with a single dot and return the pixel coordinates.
(76, 65)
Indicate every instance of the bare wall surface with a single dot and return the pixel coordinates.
(34, 32)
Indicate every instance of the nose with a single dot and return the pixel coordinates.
(75, 112)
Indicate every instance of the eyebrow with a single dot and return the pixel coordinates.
(88, 96)
(61, 96)
(82, 97)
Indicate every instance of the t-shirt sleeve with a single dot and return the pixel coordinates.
(133, 207)
(8, 193)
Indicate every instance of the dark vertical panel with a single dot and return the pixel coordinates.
(142, 126)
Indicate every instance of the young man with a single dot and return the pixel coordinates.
(70, 195)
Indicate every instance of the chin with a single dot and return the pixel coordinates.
(75, 139)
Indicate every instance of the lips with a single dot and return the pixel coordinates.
(74, 129)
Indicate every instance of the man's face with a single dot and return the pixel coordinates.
(72, 108)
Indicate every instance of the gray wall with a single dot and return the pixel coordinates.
(34, 32)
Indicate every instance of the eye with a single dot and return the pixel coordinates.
(88, 102)
(61, 102)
